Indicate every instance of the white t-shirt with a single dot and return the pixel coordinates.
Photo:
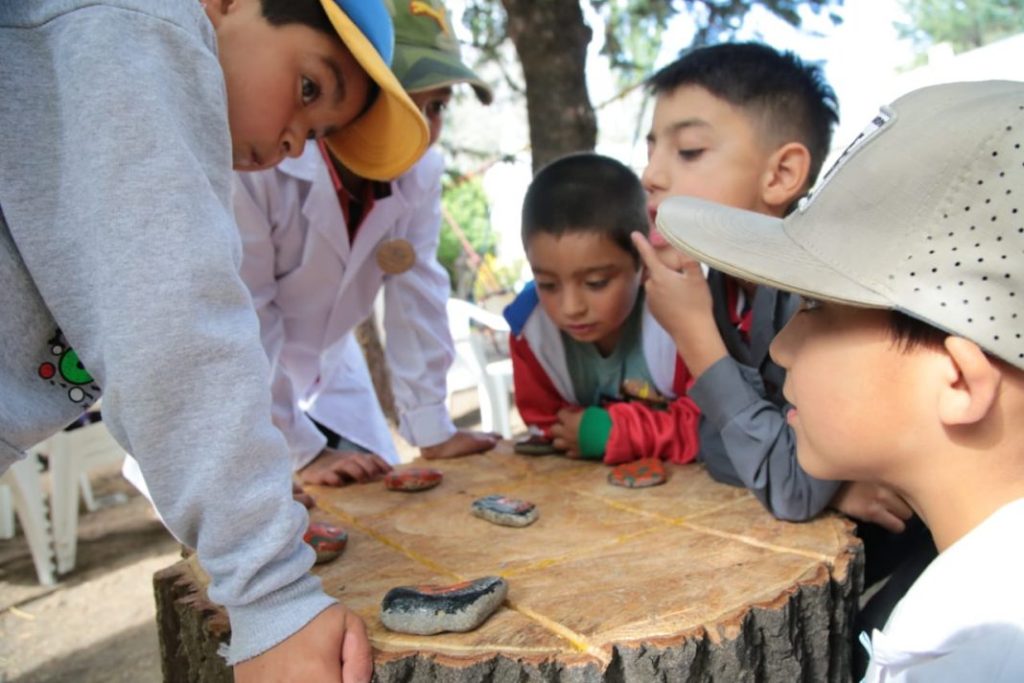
(963, 619)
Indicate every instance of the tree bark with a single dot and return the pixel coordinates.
(373, 351)
(551, 38)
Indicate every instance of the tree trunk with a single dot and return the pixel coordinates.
(366, 335)
(551, 39)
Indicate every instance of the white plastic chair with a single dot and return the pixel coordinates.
(52, 529)
(493, 379)
(24, 489)
(72, 454)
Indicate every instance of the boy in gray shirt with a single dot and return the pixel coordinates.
(119, 265)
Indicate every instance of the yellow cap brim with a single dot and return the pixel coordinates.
(392, 134)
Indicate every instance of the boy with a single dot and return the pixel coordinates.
(904, 364)
(320, 241)
(119, 258)
(591, 367)
(749, 127)
(746, 126)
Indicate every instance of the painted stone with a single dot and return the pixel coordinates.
(426, 610)
(412, 479)
(535, 444)
(638, 474)
(328, 541)
(641, 390)
(505, 511)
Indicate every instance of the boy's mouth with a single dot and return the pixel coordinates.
(580, 330)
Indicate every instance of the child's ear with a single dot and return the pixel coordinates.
(786, 175)
(215, 9)
(971, 386)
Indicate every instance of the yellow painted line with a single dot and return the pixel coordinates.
(693, 526)
(581, 552)
(411, 554)
(578, 641)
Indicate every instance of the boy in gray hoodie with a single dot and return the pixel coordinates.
(120, 122)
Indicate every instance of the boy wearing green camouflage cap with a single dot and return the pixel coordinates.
(119, 124)
(904, 365)
(340, 239)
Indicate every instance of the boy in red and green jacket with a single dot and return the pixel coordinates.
(593, 370)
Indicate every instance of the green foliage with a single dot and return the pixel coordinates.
(634, 28)
(965, 24)
(465, 202)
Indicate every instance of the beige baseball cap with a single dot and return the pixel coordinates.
(923, 213)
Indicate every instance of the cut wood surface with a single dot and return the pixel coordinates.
(688, 581)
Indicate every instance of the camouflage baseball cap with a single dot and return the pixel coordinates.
(426, 51)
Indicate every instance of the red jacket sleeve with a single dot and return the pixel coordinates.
(537, 399)
(640, 431)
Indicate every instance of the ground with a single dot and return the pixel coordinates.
(98, 623)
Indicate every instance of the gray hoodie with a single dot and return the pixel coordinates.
(119, 270)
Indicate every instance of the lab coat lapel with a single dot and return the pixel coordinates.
(361, 264)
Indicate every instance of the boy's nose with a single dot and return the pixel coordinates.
(652, 178)
(573, 305)
(293, 139)
(781, 348)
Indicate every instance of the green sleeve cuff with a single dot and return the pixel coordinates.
(595, 427)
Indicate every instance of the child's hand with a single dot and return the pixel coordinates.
(332, 647)
(566, 431)
(680, 300)
(302, 497)
(461, 443)
(336, 468)
(873, 503)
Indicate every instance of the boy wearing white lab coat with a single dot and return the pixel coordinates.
(319, 243)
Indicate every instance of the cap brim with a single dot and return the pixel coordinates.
(423, 68)
(756, 248)
(392, 134)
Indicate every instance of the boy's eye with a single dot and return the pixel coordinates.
(545, 286)
(691, 154)
(597, 284)
(807, 304)
(310, 91)
(434, 108)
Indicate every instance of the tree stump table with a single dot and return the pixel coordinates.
(688, 581)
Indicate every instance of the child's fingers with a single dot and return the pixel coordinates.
(647, 253)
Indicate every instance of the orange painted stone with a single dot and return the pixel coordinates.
(638, 474)
(327, 540)
(413, 479)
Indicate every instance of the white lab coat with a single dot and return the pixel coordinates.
(311, 287)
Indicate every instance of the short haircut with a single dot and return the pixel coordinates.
(790, 98)
(910, 333)
(312, 14)
(586, 192)
(306, 12)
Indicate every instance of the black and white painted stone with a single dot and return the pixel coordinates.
(505, 511)
(426, 610)
(536, 444)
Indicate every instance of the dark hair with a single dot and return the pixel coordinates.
(312, 14)
(791, 98)
(306, 12)
(586, 192)
(910, 333)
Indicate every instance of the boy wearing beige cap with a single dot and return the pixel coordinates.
(119, 124)
(320, 241)
(905, 363)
